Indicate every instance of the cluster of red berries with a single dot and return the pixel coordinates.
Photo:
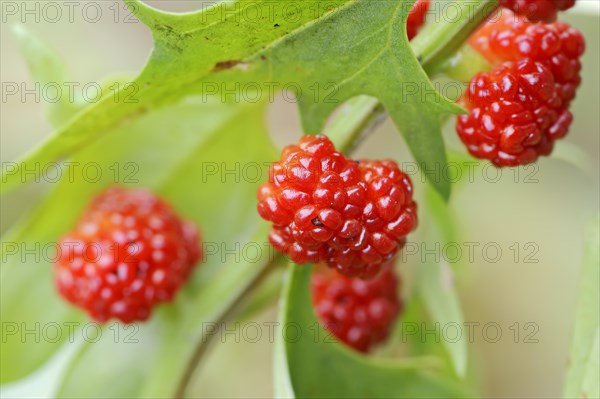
(557, 46)
(519, 109)
(128, 252)
(359, 313)
(324, 207)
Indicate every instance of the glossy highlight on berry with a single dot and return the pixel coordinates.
(558, 46)
(516, 114)
(389, 214)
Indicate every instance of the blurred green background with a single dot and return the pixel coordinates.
(550, 212)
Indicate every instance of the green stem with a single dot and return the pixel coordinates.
(465, 64)
(234, 308)
(438, 42)
(354, 120)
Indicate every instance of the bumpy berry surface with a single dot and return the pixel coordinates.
(359, 313)
(538, 10)
(516, 114)
(308, 198)
(558, 46)
(384, 196)
(416, 17)
(325, 207)
(128, 252)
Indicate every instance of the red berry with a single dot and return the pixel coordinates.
(538, 10)
(325, 207)
(306, 198)
(128, 252)
(416, 17)
(558, 46)
(520, 109)
(515, 116)
(359, 313)
(388, 214)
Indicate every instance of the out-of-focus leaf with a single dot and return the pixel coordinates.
(48, 70)
(435, 281)
(582, 375)
(202, 157)
(308, 363)
(31, 311)
(44, 383)
(575, 156)
(323, 52)
(435, 285)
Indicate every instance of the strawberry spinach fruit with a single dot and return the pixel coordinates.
(128, 252)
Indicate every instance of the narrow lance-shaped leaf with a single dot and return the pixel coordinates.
(435, 281)
(48, 71)
(51, 76)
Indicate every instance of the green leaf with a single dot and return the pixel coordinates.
(29, 303)
(435, 281)
(48, 70)
(188, 166)
(45, 381)
(308, 363)
(435, 285)
(582, 374)
(282, 384)
(299, 48)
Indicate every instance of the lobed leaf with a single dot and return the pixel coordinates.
(325, 52)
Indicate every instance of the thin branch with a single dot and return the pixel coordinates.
(203, 344)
